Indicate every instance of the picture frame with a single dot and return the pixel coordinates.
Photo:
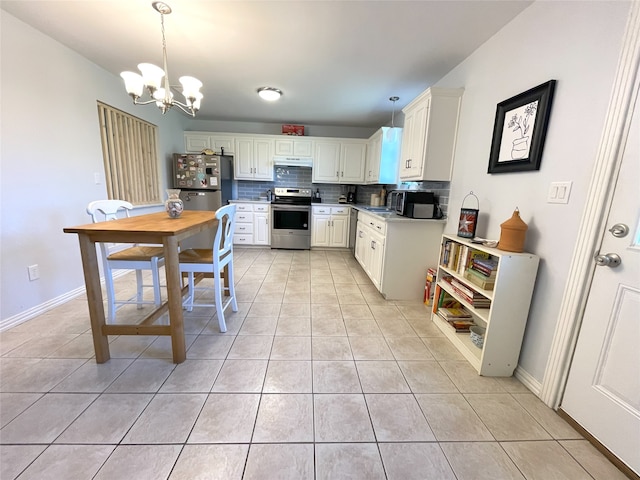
(520, 129)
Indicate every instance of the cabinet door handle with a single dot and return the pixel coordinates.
(337, 174)
(373, 245)
(378, 227)
(360, 234)
(342, 175)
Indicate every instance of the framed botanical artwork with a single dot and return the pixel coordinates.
(520, 129)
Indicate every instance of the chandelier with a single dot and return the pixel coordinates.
(159, 91)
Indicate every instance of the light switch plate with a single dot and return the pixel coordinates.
(559, 192)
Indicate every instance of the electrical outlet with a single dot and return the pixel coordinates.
(34, 272)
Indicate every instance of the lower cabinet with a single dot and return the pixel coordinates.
(396, 254)
(369, 251)
(330, 226)
(252, 224)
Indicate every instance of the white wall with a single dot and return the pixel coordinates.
(576, 43)
(50, 151)
(276, 129)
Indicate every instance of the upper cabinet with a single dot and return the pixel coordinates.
(197, 142)
(339, 161)
(294, 147)
(253, 158)
(383, 153)
(429, 137)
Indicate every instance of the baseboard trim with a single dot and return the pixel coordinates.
(33, 312)
(528, 380)
(599, 446)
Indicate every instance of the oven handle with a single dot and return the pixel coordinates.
(289, 208)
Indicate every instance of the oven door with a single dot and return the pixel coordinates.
(290, 226)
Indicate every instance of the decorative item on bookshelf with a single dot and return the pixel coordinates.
(477, 335)
(468, 218)
(513, 233)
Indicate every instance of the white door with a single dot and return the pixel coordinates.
(603, 387)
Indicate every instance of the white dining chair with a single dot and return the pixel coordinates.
(213, 261)
(124, 256)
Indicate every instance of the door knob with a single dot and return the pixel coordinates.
(609, 260)
(619, 230)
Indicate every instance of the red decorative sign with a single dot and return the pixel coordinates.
(297, 130)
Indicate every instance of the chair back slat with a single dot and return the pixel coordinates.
(223, 242)
(102, 210)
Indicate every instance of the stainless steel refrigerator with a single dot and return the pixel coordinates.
(205, 183)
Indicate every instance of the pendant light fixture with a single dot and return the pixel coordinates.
(392, 133)
(393, 111)
(159, 91)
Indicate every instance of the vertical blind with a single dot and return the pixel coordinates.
(129, 150)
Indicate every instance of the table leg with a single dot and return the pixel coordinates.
(174, 283)
(94, 297)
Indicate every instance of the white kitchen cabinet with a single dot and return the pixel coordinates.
(294, 147)
(253, 159)
(383, 154)
(252, 224)
(197, 142)
(506, 317)
(339, 161)
(396, 254)
(330, 226)
(370, 251)
(430, 133)
(326, 162)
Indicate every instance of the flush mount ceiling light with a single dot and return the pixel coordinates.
(269, 93)
(152, 79)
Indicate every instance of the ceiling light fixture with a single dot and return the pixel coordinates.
(269, 93)
(152, 78)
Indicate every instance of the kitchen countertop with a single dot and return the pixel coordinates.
(386, 216)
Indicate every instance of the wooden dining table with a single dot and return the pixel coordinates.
(154, 228)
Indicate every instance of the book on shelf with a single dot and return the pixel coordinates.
(470, 296)
(487, 267)
(460, 325)
(479, 280)
(451, 313)
(442, 299)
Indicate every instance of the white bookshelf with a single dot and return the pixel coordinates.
(506, 318)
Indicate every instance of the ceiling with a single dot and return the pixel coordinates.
(337, 62)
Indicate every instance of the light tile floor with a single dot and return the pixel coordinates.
(317, 377)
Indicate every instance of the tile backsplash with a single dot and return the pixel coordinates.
(300, 177)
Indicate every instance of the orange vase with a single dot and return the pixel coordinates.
(513, 233)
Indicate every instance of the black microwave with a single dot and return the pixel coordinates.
(417, 204)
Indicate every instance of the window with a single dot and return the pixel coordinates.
(129, 150)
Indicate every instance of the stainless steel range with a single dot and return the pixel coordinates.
(291, 218)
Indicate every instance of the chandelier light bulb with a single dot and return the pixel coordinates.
(152, 77)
